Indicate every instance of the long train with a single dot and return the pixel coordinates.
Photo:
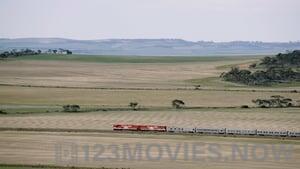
(218, 131)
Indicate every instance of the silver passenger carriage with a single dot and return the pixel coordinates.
(240, 132)
(272, 133)
(180, 130)
(210, 131)
(293, 134)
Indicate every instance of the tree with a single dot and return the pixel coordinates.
(133, 105)
(252, 66)
(197, 87)
(275, 101)
(3, 112)
(71, 108)
(266, 60)
(69, 52)
(17, 53)
(279, 69)
(261, 103)
(178, 104)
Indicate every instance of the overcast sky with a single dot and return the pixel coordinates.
(217, 20)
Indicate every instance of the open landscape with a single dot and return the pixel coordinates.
(140, 84)
(37, 148)
(33, 91)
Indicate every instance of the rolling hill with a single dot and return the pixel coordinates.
(153, 47)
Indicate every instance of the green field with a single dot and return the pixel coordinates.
(134, 59)
(13, 166)
(23, 167)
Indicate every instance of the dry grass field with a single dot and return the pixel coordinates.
(39, 148)
(268, 119)
(130, 82)
(151, 75)
(116, 97)
(204, 72)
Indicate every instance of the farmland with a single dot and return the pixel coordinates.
(122, 97)
(120, 73)
(18, 146)
(278, 119)
(33, 90)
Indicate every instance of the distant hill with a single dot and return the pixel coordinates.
(150, 47)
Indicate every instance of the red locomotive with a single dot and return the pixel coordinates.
(131, 127)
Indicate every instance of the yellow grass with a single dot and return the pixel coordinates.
(59, 96)
(128, 75)
(268, 119)
(56, 73)
(38, 148)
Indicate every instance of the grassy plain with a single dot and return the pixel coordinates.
(134, 59)
(17, 146)
(114, 71)
(268, 119)
(34, 88)
(117, 97)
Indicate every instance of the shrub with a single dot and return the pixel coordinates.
(71, 108)
(245, 106)
(275, 101)
(3, 112)
(197, 87)
(252, 66)
(133, 105)
(178, 104)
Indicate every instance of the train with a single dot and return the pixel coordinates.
(133, 127)
(211, 131)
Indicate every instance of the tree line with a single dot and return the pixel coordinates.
(26, 52)
(291, 59)
(275, 101)
(279, 69)
(17, 53)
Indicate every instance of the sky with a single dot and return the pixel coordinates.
(194, 20)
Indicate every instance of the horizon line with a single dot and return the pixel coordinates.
(296, 41)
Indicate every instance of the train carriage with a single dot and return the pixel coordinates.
(280, 133)
(131, 127)
(174, 129)
(272, 133)
(180, 130)
(293, 134)
(240, 132)
(210, 131)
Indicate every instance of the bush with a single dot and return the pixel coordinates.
(252, 66)
(275, 101)
(245, 106)
(290, 59)
(71, 108)
(197, 87)
(3, 112)
(133, 105)
(178, 104)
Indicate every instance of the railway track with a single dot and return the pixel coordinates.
(138, 132)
